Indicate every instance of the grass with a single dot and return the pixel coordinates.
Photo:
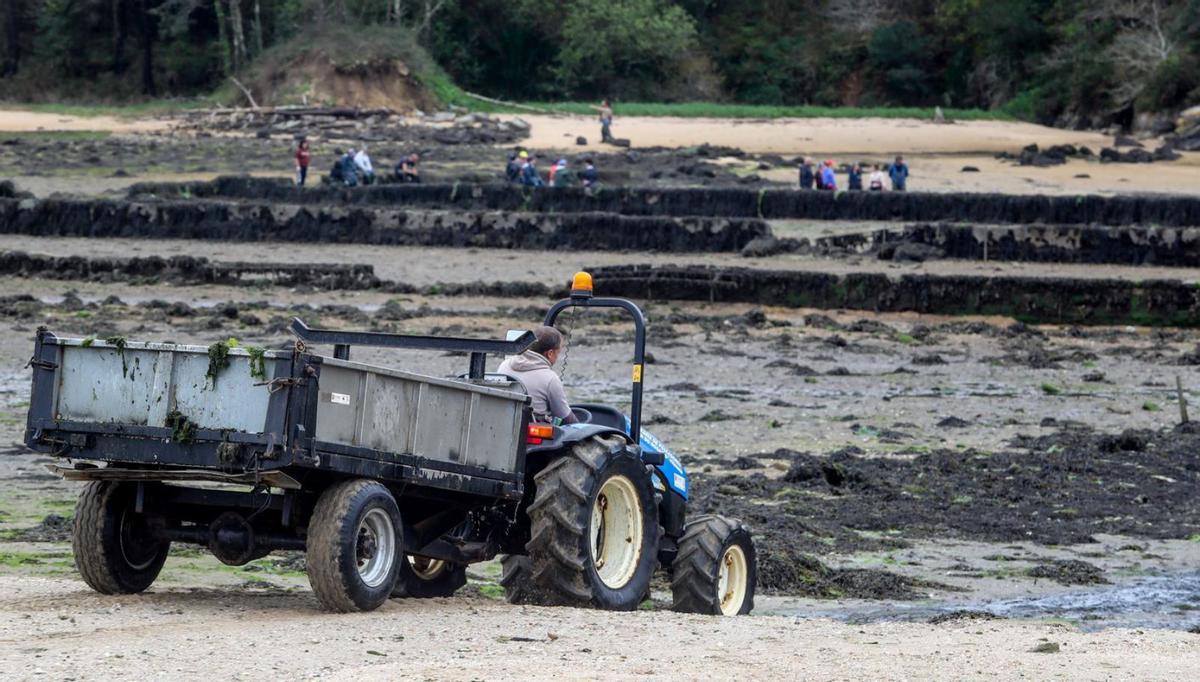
(765, 111)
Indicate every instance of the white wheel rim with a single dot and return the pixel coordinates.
(731, 585)
(426, 568)
(375, 547)
(616, 532)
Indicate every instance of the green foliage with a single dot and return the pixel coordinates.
(899, 52)
(605, 41)
(1058, 61)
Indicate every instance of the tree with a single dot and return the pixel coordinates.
(603, 41)
(900, 53)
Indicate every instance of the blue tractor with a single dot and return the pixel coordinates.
(606, 504)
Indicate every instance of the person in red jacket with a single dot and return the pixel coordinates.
(303, 156)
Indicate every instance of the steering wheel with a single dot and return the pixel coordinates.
(584, 416)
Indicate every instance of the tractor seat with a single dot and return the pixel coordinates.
(604, 415)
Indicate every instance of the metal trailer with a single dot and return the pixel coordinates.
(130, 417)
(390, 481)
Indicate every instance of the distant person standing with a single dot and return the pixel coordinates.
(807, 178)
(303, 158)
(529, 174)
(828, 177)
(516, 161)
(898, 172)
(854, 181)
(877, 180)
(606, 119)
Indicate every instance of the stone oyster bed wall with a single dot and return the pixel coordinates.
(771, 204)
(236, 221)
(1046, 300)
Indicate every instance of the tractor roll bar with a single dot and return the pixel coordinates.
(478, 348)
(639, 345)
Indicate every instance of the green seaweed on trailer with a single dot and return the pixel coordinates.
(218, 358)
(258, 362)
(182, 428)
(118, 342)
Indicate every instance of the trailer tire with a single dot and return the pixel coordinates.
(424, 578)
(115, 552)
(594, 528)
(716, 568)
(354, 546)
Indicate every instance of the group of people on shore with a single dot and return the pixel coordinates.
(894, 177)
(353, 166)
(521, 169)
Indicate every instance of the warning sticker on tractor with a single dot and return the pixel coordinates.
(637, 373)
(339, 398)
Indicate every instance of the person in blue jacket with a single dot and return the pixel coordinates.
(898, 172)
(854, 181)
(529, 174)
(828, 177)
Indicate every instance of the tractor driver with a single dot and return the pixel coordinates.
(535, 370)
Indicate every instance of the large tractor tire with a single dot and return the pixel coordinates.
(114, 546)
(423, 578)
(716, 568)
(594, 529)
(354, 546)
(515, 570)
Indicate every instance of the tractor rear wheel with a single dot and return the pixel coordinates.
(515, 572)
(114, 546)
(594, 528)
(422, 578)
(716, 568)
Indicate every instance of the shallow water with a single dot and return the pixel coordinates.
(1166, 602)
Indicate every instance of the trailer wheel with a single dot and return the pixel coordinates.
(354, 546)
(716, 568)
(421, 578)
(114, 546)
(594, 528)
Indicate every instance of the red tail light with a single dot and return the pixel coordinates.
(537, 433)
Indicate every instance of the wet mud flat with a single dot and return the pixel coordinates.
(1058, 489)
(729, 202)
(834, 436)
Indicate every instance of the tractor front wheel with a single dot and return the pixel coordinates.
(716, 568)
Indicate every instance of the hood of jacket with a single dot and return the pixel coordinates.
(529, 361)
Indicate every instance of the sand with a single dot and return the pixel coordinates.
(16, 121)
(56, 629)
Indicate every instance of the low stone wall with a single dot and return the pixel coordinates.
(1131, 245)
(1057, 300)
(237, 221)
(1170, 211)
(187, 270)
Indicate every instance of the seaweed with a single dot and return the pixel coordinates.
(87, 342)
(258, 362)
(218, 358)
(182, 429)
(118, 342)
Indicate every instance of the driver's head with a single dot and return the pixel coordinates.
(548, 343)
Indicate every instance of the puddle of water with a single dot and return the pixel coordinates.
(1163, 602)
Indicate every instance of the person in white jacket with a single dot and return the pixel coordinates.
(535, 370)
(363, 162)
(878, 180)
